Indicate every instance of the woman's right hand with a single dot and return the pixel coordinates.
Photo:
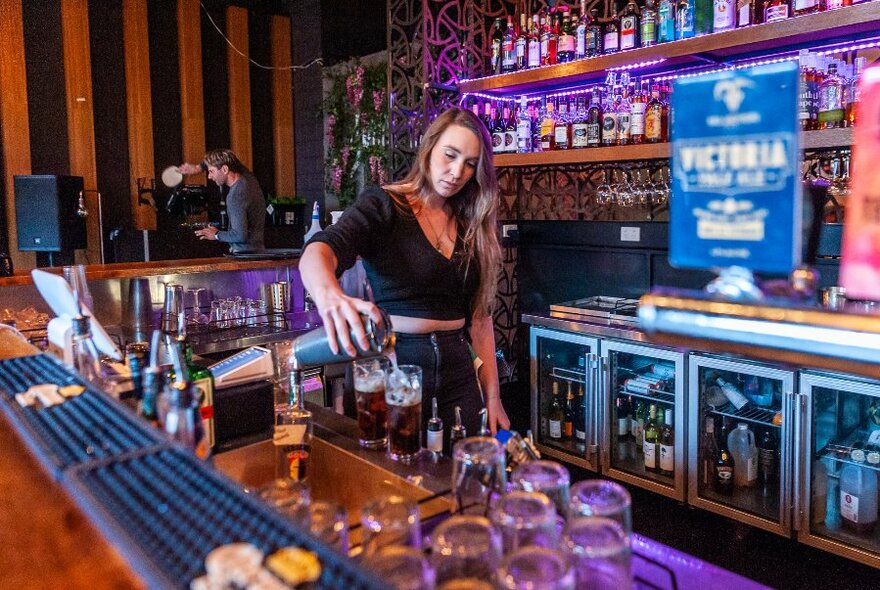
(341, 315)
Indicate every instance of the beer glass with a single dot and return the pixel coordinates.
(404, 568)
(393, 520)
(403, 395)
(548, 477)
(370, 376)
(525, 518)
(478, 474)
(600, 497)
(537, 568)
(465, 547)
(329, 522)
(599, 550)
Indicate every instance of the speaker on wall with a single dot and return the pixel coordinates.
(45, 213)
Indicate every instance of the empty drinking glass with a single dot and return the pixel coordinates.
(536, 568)
(601, 497)
(404, 568)
(548, 477)
(478, 474)
(390, 521)
(466, 547)
(329, 522)
(599, 550)
(525, 518)
(290, 498)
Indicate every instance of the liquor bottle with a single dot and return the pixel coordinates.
(85, 357)
(831, 106)
(562, 128)
(458, 431)
(629, 26)
(434, 439)
(510, 132)
(732, 393)
(533, 44)
(523, 128)
(708, 453)
(807, 7)
(768, 459)
(703, 15)
(609, 121)
(549, 41)
(292, 436)
(649, 447)
(594, 121)
(579, 124)
(580, 419)
(745, 13)
(724, 472)
(203, 384)
(804, 92)
(497, 40)
(638, 425)
(624, 117)
(650, 19)
(545, 125)
(153, 382)
(580, 32)
(556, 415)
(622, 411)
(569, 413)
(666, 21)
(594, 34)
(667, 446)
(854, 93)
(183, 420)
(508, 48)
(521, 43)
(666, 107)
(654, 117)
(637, 118)
(723, 15)
(566, 51)
(834, 4)
(488, 117)
(685, 19)
(611, 33)
(776, 10)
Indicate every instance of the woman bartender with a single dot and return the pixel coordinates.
(430, 250)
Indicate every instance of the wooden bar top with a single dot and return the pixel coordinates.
(128, 270)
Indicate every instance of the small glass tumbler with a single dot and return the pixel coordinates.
(403, 396)
(600, 497)
(536, 568)
(525, 518)
(329, 522)
(370, 376)
(404, 568)
(393, 520)
(290, 498)
(466, 547)
(548, 477)
(478, 474)
(600, 552)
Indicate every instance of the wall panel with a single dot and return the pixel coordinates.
(282, 107)
(237, 52)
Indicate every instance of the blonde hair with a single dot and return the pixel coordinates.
(220, 158)
(473, 207)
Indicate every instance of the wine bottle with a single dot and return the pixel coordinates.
(667, 446)
(435, 430)
(650, 445)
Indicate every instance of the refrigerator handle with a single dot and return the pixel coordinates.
(593, 388)
(602, 404)
(798, 442)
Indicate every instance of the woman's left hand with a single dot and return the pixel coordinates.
(497, 417)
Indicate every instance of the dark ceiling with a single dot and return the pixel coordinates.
(352, 28)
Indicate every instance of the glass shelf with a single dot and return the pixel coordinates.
(655, 395)
(747, 413)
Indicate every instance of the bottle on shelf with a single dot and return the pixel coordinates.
(667, 445)
(768, 460)
(858, 498)
(594, 35)
(521, 44)
(533, 44)
(745, 13)
(649, 22)
(708, 452)
(580, 418)
(566, 50)
(801, 7)
(741, 443)
(637, 116)
(685, 19)
(611, 32)
(732, 393)
(579, 124)
(547, 126)
(723, 15)
(776, 10)
(622, 412)
(556, 415)
(704, 11)
(497, 40)
(580, 32)
(654, 117)
(562, 127)
(508, 48)
(594, 121)
(652, 435)
(523, 127)
(629, 26)
(640, 415)
(549, 41)
(511, 138)
(569, 412)
(200, 377)
(831, 101)
(434, 431)
(666, 21)
(609, 121)
(724, 468)
(623, 106)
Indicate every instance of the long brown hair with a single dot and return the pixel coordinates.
(473, 207)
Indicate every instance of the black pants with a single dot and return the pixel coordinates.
(448, 374)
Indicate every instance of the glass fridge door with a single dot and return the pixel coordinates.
(841, 459)
(564, 370)
(644, 426)
(739, 441)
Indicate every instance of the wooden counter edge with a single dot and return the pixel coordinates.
(128, 270)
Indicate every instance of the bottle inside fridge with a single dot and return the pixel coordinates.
(740, 420)
(562, 409)
(642, 396)
(846, 451)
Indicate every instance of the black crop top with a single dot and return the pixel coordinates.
(408, 275)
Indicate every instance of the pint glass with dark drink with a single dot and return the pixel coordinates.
(403, 395)
(372, 412)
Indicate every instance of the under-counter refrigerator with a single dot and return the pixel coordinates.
(564, 388)
(642, 391)
(839, 467)
(741, 441)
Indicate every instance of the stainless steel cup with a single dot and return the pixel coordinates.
(834, 297)
(172, 307)
(138, 309)
(277, 298)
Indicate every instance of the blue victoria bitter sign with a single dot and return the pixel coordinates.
(736, 194)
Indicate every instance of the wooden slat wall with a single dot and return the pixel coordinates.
(14, 126)
(140, 109)
(240, 129)
(189, 39)
(80, 116)
(282, 107)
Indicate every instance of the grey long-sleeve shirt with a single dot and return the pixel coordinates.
(246, 208)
